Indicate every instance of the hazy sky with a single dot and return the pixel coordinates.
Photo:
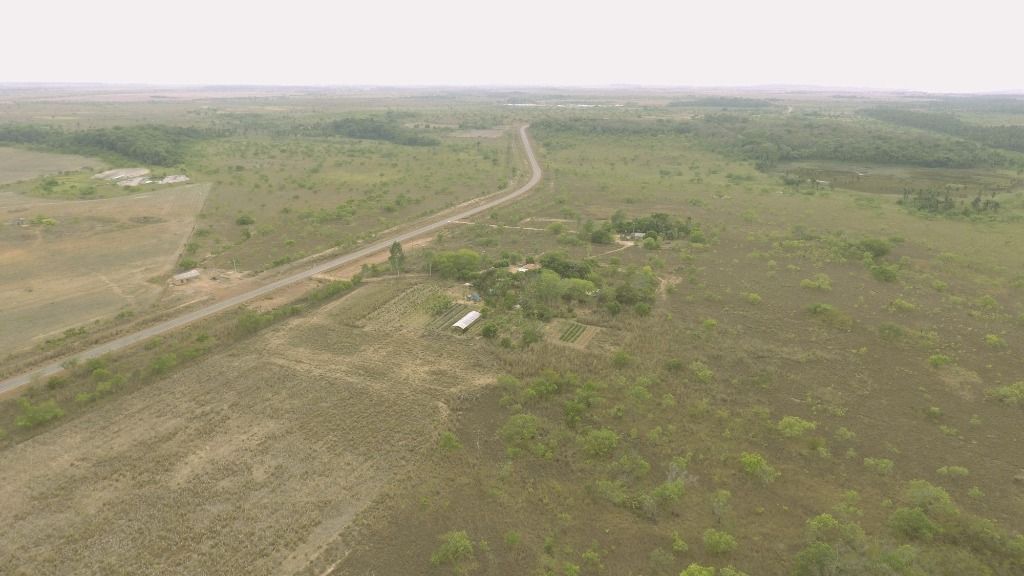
(939, 45)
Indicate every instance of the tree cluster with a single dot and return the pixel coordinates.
(152, 144)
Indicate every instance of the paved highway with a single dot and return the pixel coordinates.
(179, 321)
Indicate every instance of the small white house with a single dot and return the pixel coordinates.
(467, 320)
(184, 277)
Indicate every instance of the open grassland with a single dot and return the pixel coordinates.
(251, 460)
(17, 164)
(75, 262)
(278, 200)
(817, 360)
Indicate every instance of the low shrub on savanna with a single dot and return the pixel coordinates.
(1012, 394)
(757, 467)
(819, 282)
(32, 415)
(831, 315)
(718, 542)
(455, 549)
(794, 426)
(880, 466)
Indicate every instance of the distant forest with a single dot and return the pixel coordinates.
(770, 140)
(148, 144)
(1005, 137)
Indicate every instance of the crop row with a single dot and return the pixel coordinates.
(573, 332)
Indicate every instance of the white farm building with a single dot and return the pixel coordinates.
(467, 320)
(184, 277)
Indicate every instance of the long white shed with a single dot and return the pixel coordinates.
(467, 320)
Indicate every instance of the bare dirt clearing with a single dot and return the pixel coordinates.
(251, 461)
(85, 260)
(17, 165)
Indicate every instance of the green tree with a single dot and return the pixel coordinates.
(459, 264)
(396, 257)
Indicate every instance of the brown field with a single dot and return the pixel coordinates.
(17, 164)
(95, 259)
(250, 461)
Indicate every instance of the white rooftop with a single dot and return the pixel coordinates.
(193, 273)
(467, 320)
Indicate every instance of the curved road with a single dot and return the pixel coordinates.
(174, 323)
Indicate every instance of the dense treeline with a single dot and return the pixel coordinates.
(148, 143)
(770, 140)
(379, 129)
(981, 104)
(612, 127)
(658, 225)
(721, 102)
(1005, 137)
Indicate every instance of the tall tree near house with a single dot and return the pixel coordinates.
(397, 258)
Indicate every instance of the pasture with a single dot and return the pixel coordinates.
(17, 164)
(73, 263)
(264, 470)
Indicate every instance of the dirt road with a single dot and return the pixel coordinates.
(174, 323)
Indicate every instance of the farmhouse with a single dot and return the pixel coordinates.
(184, 277)
(467, 320)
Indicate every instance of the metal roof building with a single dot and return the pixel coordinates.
(467, 320)
(185, 276)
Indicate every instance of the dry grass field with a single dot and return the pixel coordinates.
(17, 164)
(77, 261)
(250, 461)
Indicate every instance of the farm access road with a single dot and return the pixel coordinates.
(179, 321)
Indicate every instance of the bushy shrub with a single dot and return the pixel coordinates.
(698, 570)
(600, 443)
(455, 548)
(876, 247)
(448, 442)
(880, 466)
(794, 426)
(819, 282)
(522, 432)
(953, 471)
(718, 543)
(913, 523)
(701, 371)
(668, 493)
(1012, 394)
(884, 272)
(757, 467)
(32, 415)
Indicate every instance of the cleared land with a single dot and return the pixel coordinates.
(240, 466)
(78, 261)
(17, 164)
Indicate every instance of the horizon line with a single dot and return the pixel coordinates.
(773, 87)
